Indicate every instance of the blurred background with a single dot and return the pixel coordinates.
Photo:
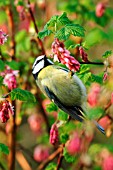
(80, 147)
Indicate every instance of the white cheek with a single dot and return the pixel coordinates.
(38, 67)
(38, 58)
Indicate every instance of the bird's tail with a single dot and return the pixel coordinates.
(100, 128)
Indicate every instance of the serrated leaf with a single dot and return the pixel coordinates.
(13, 64)
(1, 80)
(51, 107)
(63, 19)
(22, 95)
(64, 137)
(86, 77)
(51, 166)
(70, 29)
(62, 115)
(52, 21)
(95, 113)
(74, 46)
(4, 148)
(107, 54)
(2, 65)
(68, 158)
(45, 32)
(96, 78)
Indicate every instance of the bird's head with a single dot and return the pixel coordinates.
(40, 62)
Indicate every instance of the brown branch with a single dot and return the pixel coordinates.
(9, 12)
(93, 63)
(60, 158)
(42, 110)
(12, 135)
(12, 141)
(50, 158)
(36, 28)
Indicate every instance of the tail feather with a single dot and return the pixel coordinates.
(100, 128)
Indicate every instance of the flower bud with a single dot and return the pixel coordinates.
(40, 153)
(5, 110)
(54, 134)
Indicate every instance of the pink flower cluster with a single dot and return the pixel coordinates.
(3, 37)
(83, 54)
(100, 9)
(93, 95)
(61, 54)
(74, 144)
(54, 134)
(10, 77)
(5, 110)
(108, 163)
(40, 153)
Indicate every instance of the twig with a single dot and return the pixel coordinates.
(60, 159)
(12, 30)
(91, 62)
(12, 135)
(36, 28)
(42, 110)
(50, 158)
(12, 144)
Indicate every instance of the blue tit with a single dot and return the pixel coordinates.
(62, 87)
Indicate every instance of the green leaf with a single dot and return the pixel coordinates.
(1, 80)
(107, 54)
(63, 19)
(95, 113)
(13, 64)
(4, 148)
(97, 78)
(51, 107)
(70, 29)
(69, 158)
(51, 166)
(2, 65)
(64, 137)
(74, 46)
(52, 21)
(45, 32)
(22, 95)
(94, 149)
(62, 116)
(86, 77)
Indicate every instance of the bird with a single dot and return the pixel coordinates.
(63, 87)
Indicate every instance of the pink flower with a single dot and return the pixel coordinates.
(93, 95)
(100, 9)
(83, 54)
(41, 153)
(5, 110)
(3, 37)
(60, 53)
(74, 144)
(35, 122)
(10, 77)
(105, 122)
(108, 163)
(54, 134)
